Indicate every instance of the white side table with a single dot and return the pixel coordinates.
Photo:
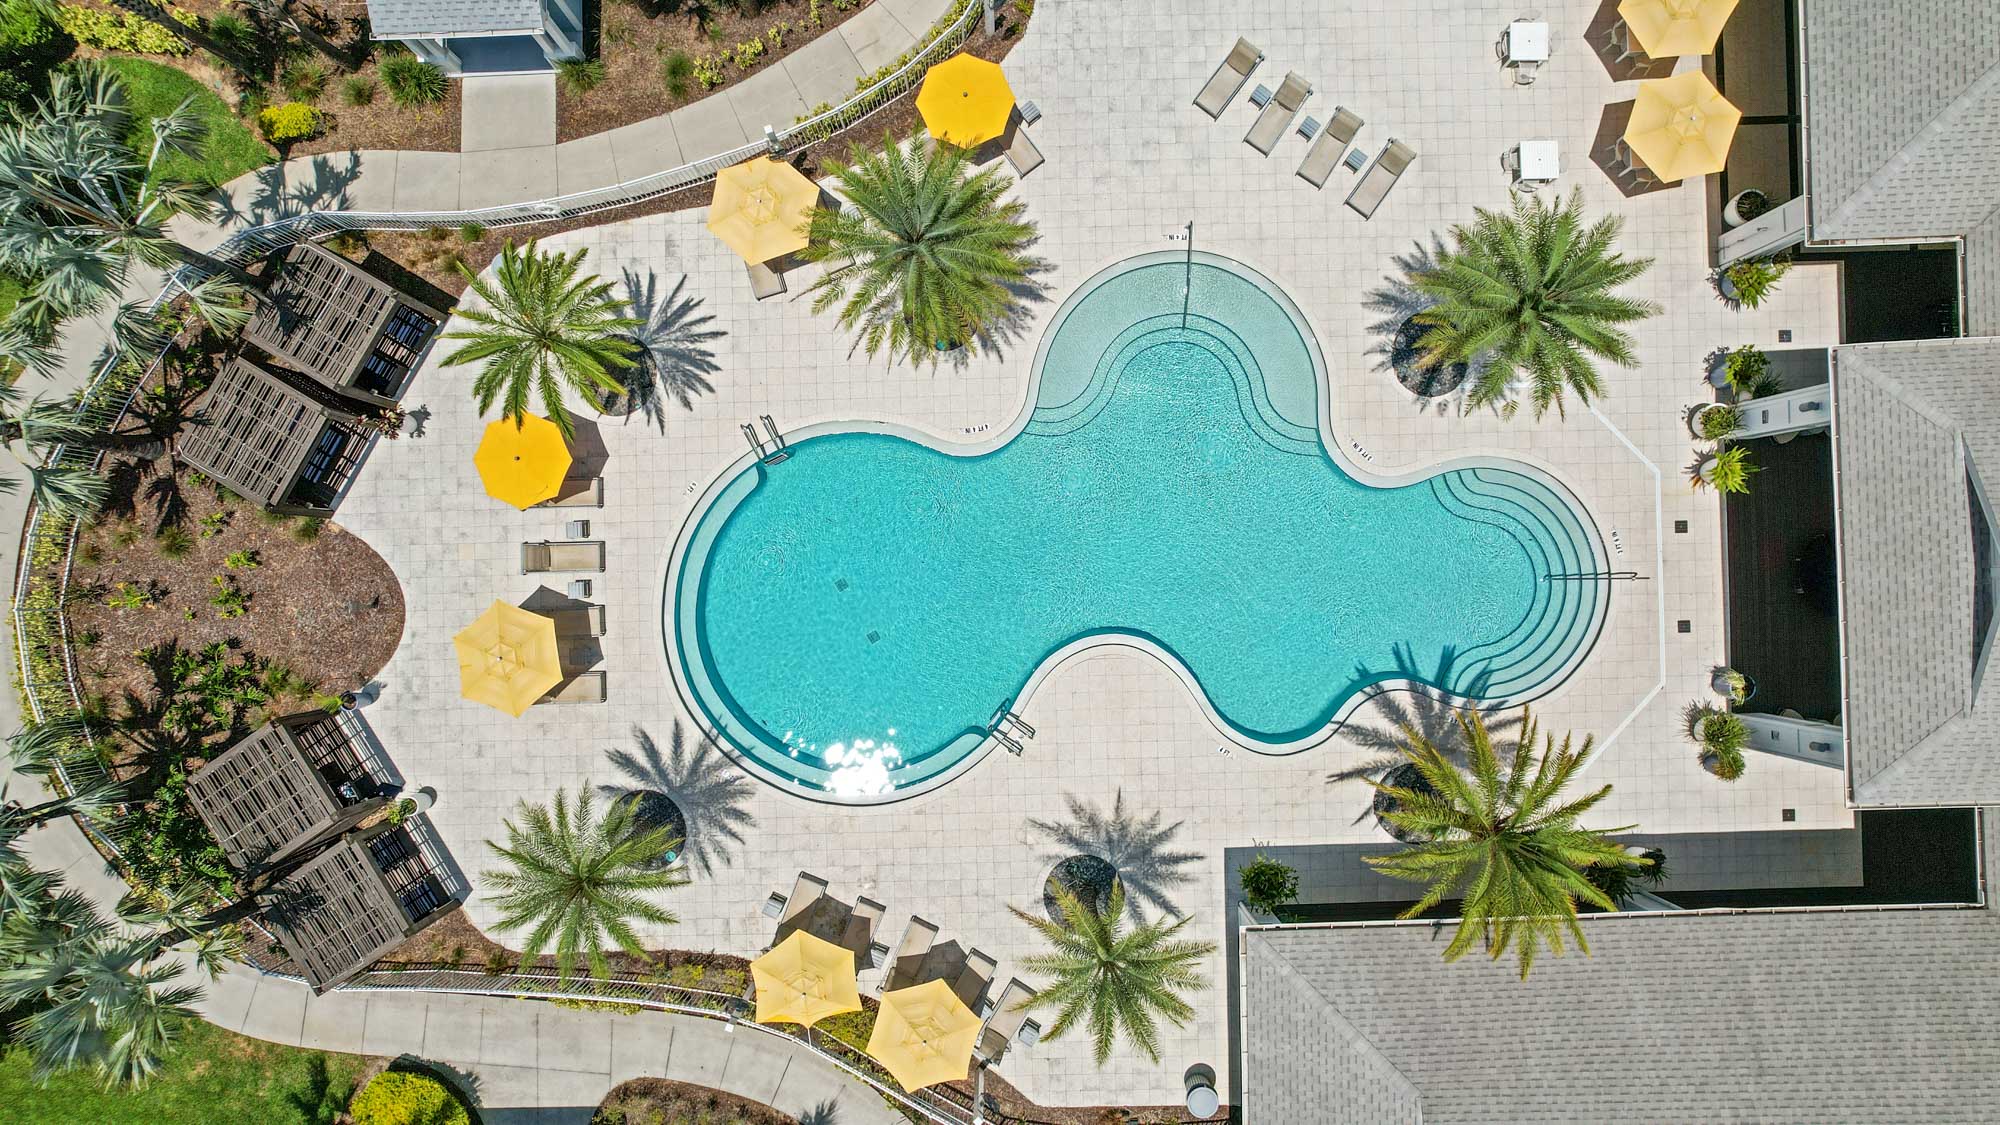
(1527, 42)
(1540, 161)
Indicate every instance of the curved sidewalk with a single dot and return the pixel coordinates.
(823, 71)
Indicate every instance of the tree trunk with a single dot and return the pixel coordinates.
(196, 36)
(279, 12)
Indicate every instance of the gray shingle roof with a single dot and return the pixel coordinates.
(1982, 278)
(1907, 418)
(415, 19)
(1878, 1016)
(1903, 116)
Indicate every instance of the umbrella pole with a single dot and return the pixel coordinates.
(979, 1084)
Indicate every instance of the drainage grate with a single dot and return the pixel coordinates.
(840, 584)
(873, 636)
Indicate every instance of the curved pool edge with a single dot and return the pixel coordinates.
(718, 484)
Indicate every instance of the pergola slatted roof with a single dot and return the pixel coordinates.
(258, 432)
(336, 915)
(338, 323)
(272, 792)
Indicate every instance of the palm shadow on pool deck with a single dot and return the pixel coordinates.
(702, 782)
(1139, 848)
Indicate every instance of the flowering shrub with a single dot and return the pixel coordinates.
(292, 121)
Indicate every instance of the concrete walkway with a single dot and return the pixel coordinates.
(498, 167)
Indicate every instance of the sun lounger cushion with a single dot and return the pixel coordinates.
(578, 492)
(1271, 124)
(1023, 154)
(765, 282)
(1324, 156)
(1228, 78)
(546, 556)
(587, 687)
(1374, 187)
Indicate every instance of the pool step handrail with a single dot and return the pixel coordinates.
(777, 439)
(768, 456)
(1013, 745)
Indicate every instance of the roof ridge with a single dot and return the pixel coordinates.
(1339, 1019)
(1918, 144)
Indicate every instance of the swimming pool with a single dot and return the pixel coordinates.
(852, 619)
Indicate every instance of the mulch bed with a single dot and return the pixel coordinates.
(380, 124)
(657, 1101)
(637, 37)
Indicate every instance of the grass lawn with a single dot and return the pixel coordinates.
(227, 152)
(212, 1076)
(10, 295)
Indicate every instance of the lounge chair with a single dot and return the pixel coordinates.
(1022, 154)
(550, 557)
(1006, 1020)
(1277, 116)
(1324, 155)
(860, 933)
(1228, 78)
(970, 987)
(909, 956)
(806, 890)
(1374, 186)
(765, 282)
(583, 621)
(586, 687)
(578, 492)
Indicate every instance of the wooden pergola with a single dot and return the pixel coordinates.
(341, 326)
(273, 443)
(359, 899)
(294, 782)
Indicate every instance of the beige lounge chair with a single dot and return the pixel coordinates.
(860, 933)
(583, 621)
(765, 282)
(806, 890)
(1228, 78)
(1022, 153)
(1006, 1020)
(1278, 113)
(909, 956)
(586, 687)
(1375, 184)
(578, 492)
(1324, 155)
(551, 557)
(970, 987)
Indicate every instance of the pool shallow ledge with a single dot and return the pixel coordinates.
(728, 488)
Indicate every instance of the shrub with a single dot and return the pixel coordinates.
(470, 232)
(1729, 472)
(1746, 368)
(237, 35)
(128, 596)
(747, 53)
(229, 601)
(174, 542)
(171, 846)
(412, 81)
(1268, 884)
(123, 31)
(241, 560)
(293, 121)
(403, 1098)
(31, 44)
(580, 76)
(358, 90)
(1757, 279)
(308, 529)
(708, 71)
(303, 81)
(1720, 421)
(676, 71)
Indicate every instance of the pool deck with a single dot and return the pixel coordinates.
(1130, 160)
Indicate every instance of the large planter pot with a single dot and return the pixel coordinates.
(1727, 288)
(1705, 470)
(1744, 206)
(1694, 416)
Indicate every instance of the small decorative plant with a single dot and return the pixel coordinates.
(1720, 421)
(677, 71)
(1726, 470)
(229, 601)
(241, 560)
(129, 596)
(1731, 685)
(1747, 370)
(580, 76)
(1756, 279)
(412, 82)
(1721, 737)
(292, 121)
(401, 810)
(1268, 884)
(174, 542)
(358, 90)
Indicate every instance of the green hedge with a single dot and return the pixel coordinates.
(400, 1097)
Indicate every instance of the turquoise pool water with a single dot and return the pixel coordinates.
(851, 619)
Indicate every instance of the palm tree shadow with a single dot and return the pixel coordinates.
(323, 188)
(1394, 351)
(1140, 849)
(674, 358)
(701, 781)
(1423, 710)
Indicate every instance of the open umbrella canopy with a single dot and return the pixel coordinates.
(1682, 126)
(1666, 28)
(522, 461)
(965, 101)
(803, 980)
(507, 659)
(761, 208)
(924, 1035)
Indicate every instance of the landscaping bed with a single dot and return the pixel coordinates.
(658, 1101)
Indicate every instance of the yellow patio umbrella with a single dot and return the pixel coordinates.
(1681, 126)
(522, 462)
(1666, 28)
(507, 659)
(803, 980)
(924, 1035)
(761, 208)
(965, 101)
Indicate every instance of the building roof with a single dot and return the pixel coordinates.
(336, 915)
(1853, 1015)
(1903, 117)
(326, 316)
(1914, 425)
(256, 432)
(261, 797)
(421, 19)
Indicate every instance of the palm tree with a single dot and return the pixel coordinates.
(937, 254)
(546, 326)
(1111, 980)
(577, 879)
(102, 1008)
(1528, 295)
(35, 750)
(1495, 835)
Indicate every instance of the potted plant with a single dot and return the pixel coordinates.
(1715, 421)
(1748, 282)
(1267, 884)
(403, 808)
(1732, 685)
(1722, 737)
(1745, 206)
(1746, 370)
(1725, 469)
